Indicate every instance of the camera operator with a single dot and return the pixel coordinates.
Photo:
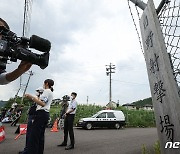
(5, 78)
(64, 106)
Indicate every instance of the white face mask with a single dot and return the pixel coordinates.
(71, 98)
(37, 94)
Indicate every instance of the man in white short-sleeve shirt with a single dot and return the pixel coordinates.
(68, 122)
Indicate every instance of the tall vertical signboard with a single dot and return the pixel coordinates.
(164, 89)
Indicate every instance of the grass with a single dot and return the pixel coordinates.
(156, 148)
(134, 118)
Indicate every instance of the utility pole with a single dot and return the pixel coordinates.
(118, 103)
(109, 70)
(26, 28)
(30, 74)
(27, 17)
(87, 99)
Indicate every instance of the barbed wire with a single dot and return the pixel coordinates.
(135, 25)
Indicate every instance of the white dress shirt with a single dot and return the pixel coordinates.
(46, 97)
(72, 105)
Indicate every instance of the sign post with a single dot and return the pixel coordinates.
(164, 89)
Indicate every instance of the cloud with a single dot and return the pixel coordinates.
(86, 35)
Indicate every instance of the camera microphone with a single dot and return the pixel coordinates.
(39, 43)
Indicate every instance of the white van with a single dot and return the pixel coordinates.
(104, 118)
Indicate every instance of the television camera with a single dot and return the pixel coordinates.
(13, 48)
(66, 98)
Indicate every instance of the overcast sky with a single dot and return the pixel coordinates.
(85, 35)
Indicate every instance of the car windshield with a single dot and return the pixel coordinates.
(95, 115)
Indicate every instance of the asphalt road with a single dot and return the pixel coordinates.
(97, 141)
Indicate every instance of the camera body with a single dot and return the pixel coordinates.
(66, 98)
(13, 48)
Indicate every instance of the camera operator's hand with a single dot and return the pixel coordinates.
(22, 68)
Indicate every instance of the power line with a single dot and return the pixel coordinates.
(127, 82)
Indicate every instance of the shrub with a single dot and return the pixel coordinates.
(134, 118)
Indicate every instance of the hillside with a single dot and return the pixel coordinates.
(2, 103)
(140, 103)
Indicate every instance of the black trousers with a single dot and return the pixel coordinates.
(29, 130)
(68, 128)
(36, 137)
(15, 121)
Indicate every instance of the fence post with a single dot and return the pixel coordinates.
(164, 89)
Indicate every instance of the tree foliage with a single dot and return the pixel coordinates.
(141, 103)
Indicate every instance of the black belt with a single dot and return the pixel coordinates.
(42, 111)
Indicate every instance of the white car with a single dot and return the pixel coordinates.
(104, 118)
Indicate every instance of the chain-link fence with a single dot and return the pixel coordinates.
(169, 18)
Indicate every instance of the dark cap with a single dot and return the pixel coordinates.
(5, 23)
(73, 93)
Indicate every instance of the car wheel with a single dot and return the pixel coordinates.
(89, 126)
(117, 126)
